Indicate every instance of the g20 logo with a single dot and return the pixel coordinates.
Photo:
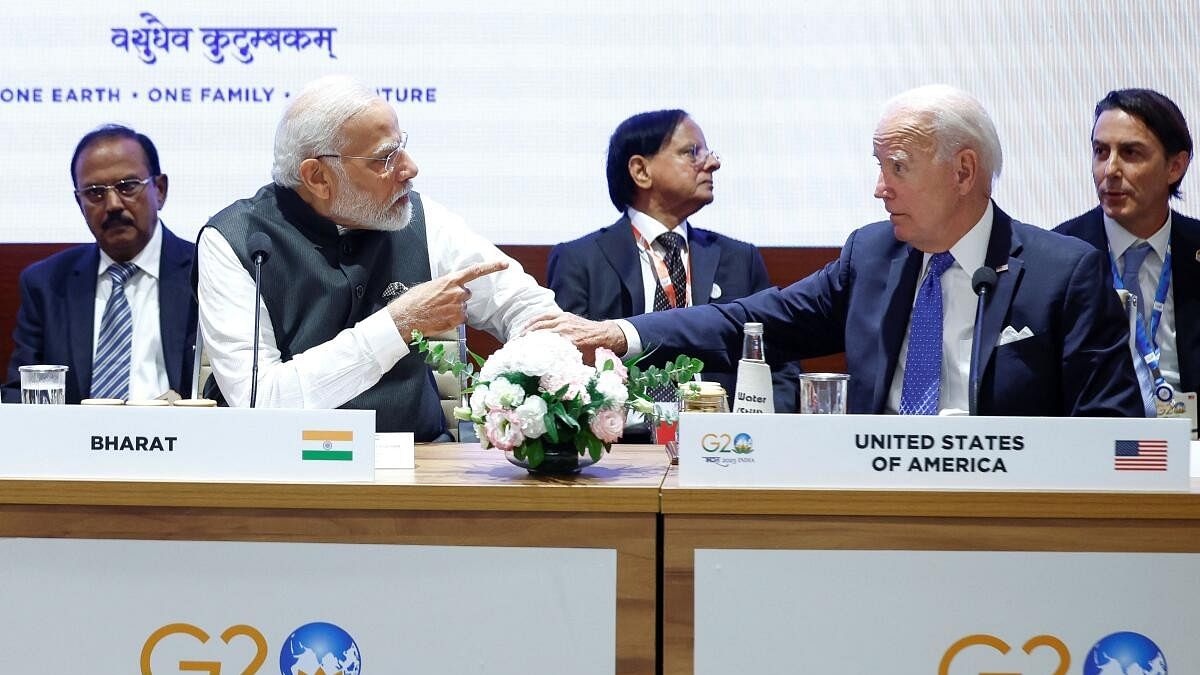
(1114, 654)
(740, 444)
(313, 649)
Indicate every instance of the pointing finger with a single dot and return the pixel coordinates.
(477, 270)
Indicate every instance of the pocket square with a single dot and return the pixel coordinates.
(1010, 335)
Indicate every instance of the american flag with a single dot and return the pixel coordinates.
(1140, 456)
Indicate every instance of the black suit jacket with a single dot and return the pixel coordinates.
(1076, 362)
(599, 277)
(1185, 282)
(55, 320)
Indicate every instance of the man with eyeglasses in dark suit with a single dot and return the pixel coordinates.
(660, 173)
(119, 312)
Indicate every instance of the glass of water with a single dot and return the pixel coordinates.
(44, 385)
(823, 393)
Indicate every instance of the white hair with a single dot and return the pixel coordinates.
(956, 121)
(311, 123)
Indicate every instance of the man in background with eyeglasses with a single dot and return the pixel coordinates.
(118, 312)
(359, 261)
(660, 172)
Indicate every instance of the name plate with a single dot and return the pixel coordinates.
(194, 444)
(892, 451)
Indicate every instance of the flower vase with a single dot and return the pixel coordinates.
(558, 459)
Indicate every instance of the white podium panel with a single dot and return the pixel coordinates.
(892, 451)
(945, 612)
(168, 443)
(119, 606)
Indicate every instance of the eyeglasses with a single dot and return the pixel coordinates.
(126, 189)
(698, 155)
(389, 160)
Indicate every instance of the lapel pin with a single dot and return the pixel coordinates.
(1197, 255)
(716, 291)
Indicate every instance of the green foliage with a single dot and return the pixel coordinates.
(441, 361)
(682, 369)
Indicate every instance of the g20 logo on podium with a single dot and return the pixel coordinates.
(740, 443)
(1123, 653)
(317, 648)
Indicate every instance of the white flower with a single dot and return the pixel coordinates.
(534, 354)
(575, 378)
(503, 394)
(479, 400)
(610, 386)
(642, 406)
(532, 416)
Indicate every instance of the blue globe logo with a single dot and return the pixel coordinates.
(1125, 653)
(742, 444)
(319, 649)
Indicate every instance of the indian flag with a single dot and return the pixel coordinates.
(333, 445)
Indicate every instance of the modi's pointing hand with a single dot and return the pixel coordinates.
(439, 304)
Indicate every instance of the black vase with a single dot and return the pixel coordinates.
(558, 459)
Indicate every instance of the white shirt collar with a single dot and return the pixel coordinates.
(650, 227)
(971, 249)
(1120, 239)
(146, 260)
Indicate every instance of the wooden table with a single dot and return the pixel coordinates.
(727, 518)
(458, 495)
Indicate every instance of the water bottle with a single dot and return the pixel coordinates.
(752, 343)
(753, 393)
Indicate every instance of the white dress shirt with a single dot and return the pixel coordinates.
(1119, 240)
(332, 373)
(147, 369)
(650, 229)
(958, 320)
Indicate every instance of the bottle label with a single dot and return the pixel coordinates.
(754, 393)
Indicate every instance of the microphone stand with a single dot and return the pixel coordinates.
(258, 263)
(982, 282)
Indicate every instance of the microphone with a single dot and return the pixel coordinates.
(982, 282)
(260, 251)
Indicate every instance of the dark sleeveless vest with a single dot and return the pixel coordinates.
(319, 282)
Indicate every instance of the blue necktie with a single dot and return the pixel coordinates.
(923, 363)
(110, 368)
(1134, 257)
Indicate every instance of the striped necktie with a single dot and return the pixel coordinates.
(672, 243)
(110, 368)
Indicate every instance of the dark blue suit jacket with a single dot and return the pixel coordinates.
(54, 323)
(1076, 363)
(1185, 282)
(599, 277)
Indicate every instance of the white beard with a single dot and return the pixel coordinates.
(355, 209)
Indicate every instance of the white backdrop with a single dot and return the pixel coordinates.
(527, 93)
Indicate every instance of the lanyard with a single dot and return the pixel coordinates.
(1146, 338)
(662, 277)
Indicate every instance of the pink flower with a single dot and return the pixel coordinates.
(503, 429)
(608, 424)
(604, 356)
